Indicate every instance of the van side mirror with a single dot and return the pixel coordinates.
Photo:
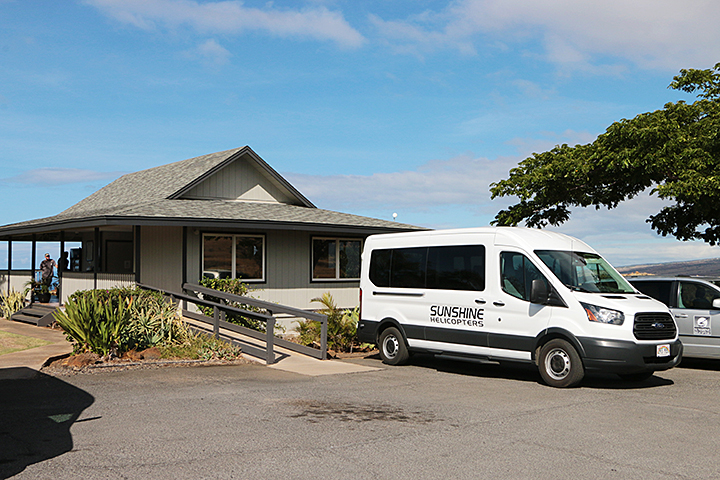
(716, 304)
(539, 292)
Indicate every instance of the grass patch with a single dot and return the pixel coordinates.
(11, 342)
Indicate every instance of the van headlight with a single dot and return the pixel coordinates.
(603, 315)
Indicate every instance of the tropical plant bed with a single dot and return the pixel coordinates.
(356, 354)
(92, 363)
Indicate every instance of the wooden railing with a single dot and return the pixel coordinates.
(219, 310)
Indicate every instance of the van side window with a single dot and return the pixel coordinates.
(407, 269)
(457, 267)
(696, 296)
(517, 273)
(380, 267)
(454, 267)
(657, 290)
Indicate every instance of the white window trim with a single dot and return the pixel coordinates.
(337, 241)
(233, 262)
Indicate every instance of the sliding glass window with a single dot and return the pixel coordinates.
(234, 256)
(336, 258)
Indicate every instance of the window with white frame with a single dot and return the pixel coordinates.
(234, 256)
(336, 258)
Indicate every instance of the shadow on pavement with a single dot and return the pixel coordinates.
(700, 364)
(35, 419)
(528, 373)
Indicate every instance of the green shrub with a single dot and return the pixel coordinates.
(94, 324)
(342, 326)
(91, 315)
(11, 302)
(236, 287)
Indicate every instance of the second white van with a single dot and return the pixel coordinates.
(510, 294)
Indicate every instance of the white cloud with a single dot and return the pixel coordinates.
(232, 17)
(576, 34)
(461, 180)
(527, 146)
(455, 193)
(48, 177)
(624, 237)
(211, 52)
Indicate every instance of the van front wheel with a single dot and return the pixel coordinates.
(392, 347)
(560, 365)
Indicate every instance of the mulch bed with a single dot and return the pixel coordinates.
(91, 363)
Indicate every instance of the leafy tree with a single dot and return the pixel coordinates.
(676, 151)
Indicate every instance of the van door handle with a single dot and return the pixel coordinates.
(499, 304)
(681, 315)
(480, 301)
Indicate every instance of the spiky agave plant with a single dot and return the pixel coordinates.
(11, 302)
(94, 324)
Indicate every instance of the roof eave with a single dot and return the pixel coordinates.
(108, 220)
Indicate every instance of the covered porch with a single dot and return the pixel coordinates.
(86, 257)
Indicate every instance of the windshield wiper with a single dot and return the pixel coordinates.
(575, 288)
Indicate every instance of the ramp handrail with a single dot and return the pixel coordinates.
(268, 319)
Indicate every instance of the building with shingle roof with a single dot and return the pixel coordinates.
(226, 214)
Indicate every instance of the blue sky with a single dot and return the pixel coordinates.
(367, 107)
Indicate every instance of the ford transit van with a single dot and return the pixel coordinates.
(510, 294)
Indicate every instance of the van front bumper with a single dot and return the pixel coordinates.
(620, 356)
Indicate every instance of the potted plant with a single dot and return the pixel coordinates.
(39, 290)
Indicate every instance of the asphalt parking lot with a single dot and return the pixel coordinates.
(431, 419)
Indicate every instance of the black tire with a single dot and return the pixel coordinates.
(560, 365)
(393, 350)
(636, 377)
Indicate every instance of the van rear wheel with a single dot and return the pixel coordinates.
(392, 347)
(560, 365)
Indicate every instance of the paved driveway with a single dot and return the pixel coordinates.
(433, 419)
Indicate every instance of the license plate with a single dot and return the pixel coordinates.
(663, 350)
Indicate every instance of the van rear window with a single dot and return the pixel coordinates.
(455, 267)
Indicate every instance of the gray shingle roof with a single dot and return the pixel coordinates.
(150, 185)
(148, 196)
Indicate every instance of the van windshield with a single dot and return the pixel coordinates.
(584, 272)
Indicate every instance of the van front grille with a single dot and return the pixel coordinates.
(654, 326)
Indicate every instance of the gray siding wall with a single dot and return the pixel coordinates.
(161, 257)
(287, 270)
(239, 179)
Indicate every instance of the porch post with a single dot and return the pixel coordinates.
(96, 256)
(9, 262)
(33, 254)
(60, 272)
(184, 262)
(137, 254)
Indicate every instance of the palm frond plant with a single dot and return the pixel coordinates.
(11, 302)
(341, 330)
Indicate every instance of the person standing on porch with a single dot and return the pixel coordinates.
(46, 269)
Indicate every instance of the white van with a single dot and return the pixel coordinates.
(510, 294)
